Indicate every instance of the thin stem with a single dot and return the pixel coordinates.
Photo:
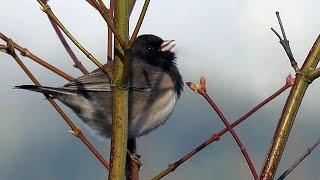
(215, 137)
(299, 160)
(244, 152)
(132, 165)
(109, 20)
(25, 52)
(46, 8)
(110, 39)
(92, 4)
(140, 20)
(77, 63)
(74, 129)
(132, 3)
(285, 44)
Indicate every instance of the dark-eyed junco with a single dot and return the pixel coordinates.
(155, 86)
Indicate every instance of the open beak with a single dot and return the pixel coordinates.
(167, 45)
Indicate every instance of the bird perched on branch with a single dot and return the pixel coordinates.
(155, 85)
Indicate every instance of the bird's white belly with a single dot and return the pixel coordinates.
(154, 115)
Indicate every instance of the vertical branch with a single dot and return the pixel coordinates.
(120, 94)
(132, 165)
(289, 113)
(110, 39)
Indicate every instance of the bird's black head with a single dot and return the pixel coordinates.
(154, 50)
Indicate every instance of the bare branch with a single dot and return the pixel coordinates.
(314, 74)
(215, 137)
(285, 44)
(110, 33)
(299, 160)
(132, 3)
(202, 91)
(105, 14)
(77, 63)
(92, 4)
(139, 23)
(27, 53)
(46, 8)
(74, 129)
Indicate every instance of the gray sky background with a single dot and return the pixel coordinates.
(230, 42)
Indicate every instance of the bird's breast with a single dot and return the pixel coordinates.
(153, 112)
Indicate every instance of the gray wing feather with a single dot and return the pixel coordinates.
(95, 81)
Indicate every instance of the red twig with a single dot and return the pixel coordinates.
(202, 91)
(92, 4)
(27, 53)
(77, 63)
(215, 137)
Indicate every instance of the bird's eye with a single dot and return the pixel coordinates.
(149, 48)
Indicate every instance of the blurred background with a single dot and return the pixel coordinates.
(230, 42)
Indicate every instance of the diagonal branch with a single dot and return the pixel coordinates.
(289, 113)
(27, 53)
(74, 129)
(202, 91)
(109, 20)
(299, 160)
(46, 8)
(92, 4)
(285, 44)
(77, 63)
(216, 137)
(139, 23)
(132, 3)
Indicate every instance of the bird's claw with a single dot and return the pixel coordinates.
(136, 158)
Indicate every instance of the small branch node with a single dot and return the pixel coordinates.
(75, 132)
(289, 80)
(285, 44)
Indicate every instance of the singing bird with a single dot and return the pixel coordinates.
(155, 85)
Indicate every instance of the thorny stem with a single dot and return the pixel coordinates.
(74, 129)
(215, 137)
(299, 160)
(25, 52)
(77, 63)
(140, 20)
(46, 8)
(285, 44)
(203, 92)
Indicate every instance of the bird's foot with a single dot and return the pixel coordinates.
(136, 158)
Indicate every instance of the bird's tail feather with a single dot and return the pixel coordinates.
(45, 89)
